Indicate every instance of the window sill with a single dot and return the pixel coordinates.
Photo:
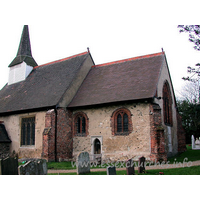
(80, 135)
(27, 147)
(122, 134)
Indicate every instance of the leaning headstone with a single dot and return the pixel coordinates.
(130, 167)
(9, 166)
(111, 170)
(83, 163)
(141, 165)
(34, 167)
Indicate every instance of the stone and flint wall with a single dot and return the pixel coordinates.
(4, 150)
(116, 147)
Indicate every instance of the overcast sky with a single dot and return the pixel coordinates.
(113, 30)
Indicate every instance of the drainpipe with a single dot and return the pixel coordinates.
(56, 123)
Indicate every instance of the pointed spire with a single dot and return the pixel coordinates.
(24, 51)
(24, 46)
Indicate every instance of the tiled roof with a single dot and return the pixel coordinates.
(44, 86)
(129, 79)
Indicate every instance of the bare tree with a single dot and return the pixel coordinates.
(190, 92)
(194, 34)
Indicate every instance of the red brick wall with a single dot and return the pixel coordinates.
(64, 141)
(64, 134)
(180, 134)
(157, 134)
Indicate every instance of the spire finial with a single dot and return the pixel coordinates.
(24, 51)
(24, 46)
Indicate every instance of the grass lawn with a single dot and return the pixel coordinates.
(195, 170)
(60, 165)
(191, 155)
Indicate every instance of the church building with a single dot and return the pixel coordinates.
(114, 111)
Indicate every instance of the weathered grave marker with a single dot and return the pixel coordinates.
(83, 163)
(195, 143)
(9, 166)
(130, 167)
(34, 167)
(111, 170)
(141, 165)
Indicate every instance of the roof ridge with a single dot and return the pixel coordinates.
(61, 60)
(129, 59)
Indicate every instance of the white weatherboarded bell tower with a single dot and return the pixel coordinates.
(23, 63)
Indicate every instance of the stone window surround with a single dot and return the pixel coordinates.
(92, 139)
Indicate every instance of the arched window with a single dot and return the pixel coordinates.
(80, 124)
(121, 122)
(97, 146)
(167, 105)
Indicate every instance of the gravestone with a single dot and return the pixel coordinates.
(111, 170)
(9, 166)
(141, 165)
(195, 144)
(83, 163)
(130, 167)
(34, 167)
